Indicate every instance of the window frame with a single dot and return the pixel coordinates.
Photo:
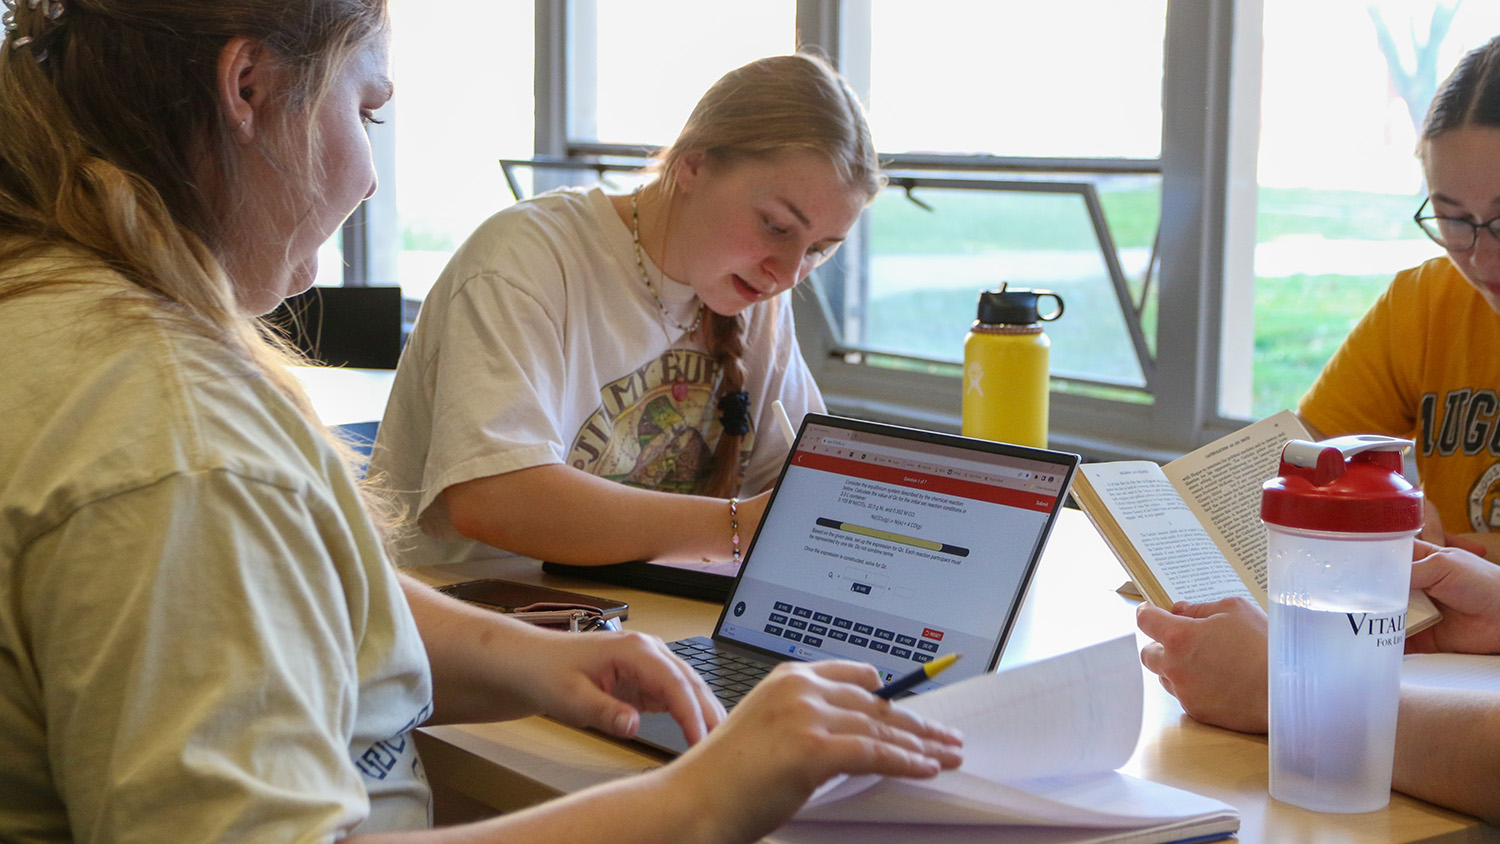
(1197, 135)
(1209, 128)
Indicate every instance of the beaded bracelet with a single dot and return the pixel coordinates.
(734, 527)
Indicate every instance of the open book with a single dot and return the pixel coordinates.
(1191, 530)
(1041, 744)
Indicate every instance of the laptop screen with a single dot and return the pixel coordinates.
(892, 546)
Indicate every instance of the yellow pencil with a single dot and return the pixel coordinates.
(926, 672)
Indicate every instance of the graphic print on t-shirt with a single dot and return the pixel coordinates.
(1466, 423)
(1484, 501)
(656, 427)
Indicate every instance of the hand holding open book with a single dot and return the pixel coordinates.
(1191, 530)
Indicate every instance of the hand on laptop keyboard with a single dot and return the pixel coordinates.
(729, 675)
(605, 681)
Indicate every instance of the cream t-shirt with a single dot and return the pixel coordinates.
(541, 344)
(201, 639)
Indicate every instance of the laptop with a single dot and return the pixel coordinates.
(886, 545)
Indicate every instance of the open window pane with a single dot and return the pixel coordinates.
(927, 267)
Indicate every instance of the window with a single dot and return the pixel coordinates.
(463, 74)
(1037, 142)
(654, 58)
(1177, 169)
(992, 87)
(331, 262)
(1027, 146)
(1075, 80)
(1344, 88)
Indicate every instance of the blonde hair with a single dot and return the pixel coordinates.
(764, 109)
(114, 154)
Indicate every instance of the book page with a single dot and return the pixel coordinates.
(1421, 612)
(1195, 828)
(1032, 721)
(1041, 744)
(1112, 800)
(1221, 483)
(1173, 544)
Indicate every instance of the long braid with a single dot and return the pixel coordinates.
(726, 343)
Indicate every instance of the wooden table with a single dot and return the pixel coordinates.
(343, 396)
(477, 770)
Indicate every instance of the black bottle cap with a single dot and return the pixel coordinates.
(1016, 306)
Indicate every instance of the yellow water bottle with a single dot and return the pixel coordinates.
(1006, 366)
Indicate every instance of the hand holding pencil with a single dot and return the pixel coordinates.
(903, 684)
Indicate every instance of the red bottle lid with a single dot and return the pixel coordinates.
(1347, 485)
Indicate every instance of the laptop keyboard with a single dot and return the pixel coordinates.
(811, 627)
(729, 675)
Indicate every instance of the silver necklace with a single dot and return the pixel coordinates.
(640, 264)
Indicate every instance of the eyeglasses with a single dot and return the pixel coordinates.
(1454, 234)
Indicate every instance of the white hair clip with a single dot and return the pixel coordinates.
(50, 9)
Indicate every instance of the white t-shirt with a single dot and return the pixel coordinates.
(201, 638)
(540, 344)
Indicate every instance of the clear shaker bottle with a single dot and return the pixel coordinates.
(1341, 520)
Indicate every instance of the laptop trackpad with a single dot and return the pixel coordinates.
(659, 730)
